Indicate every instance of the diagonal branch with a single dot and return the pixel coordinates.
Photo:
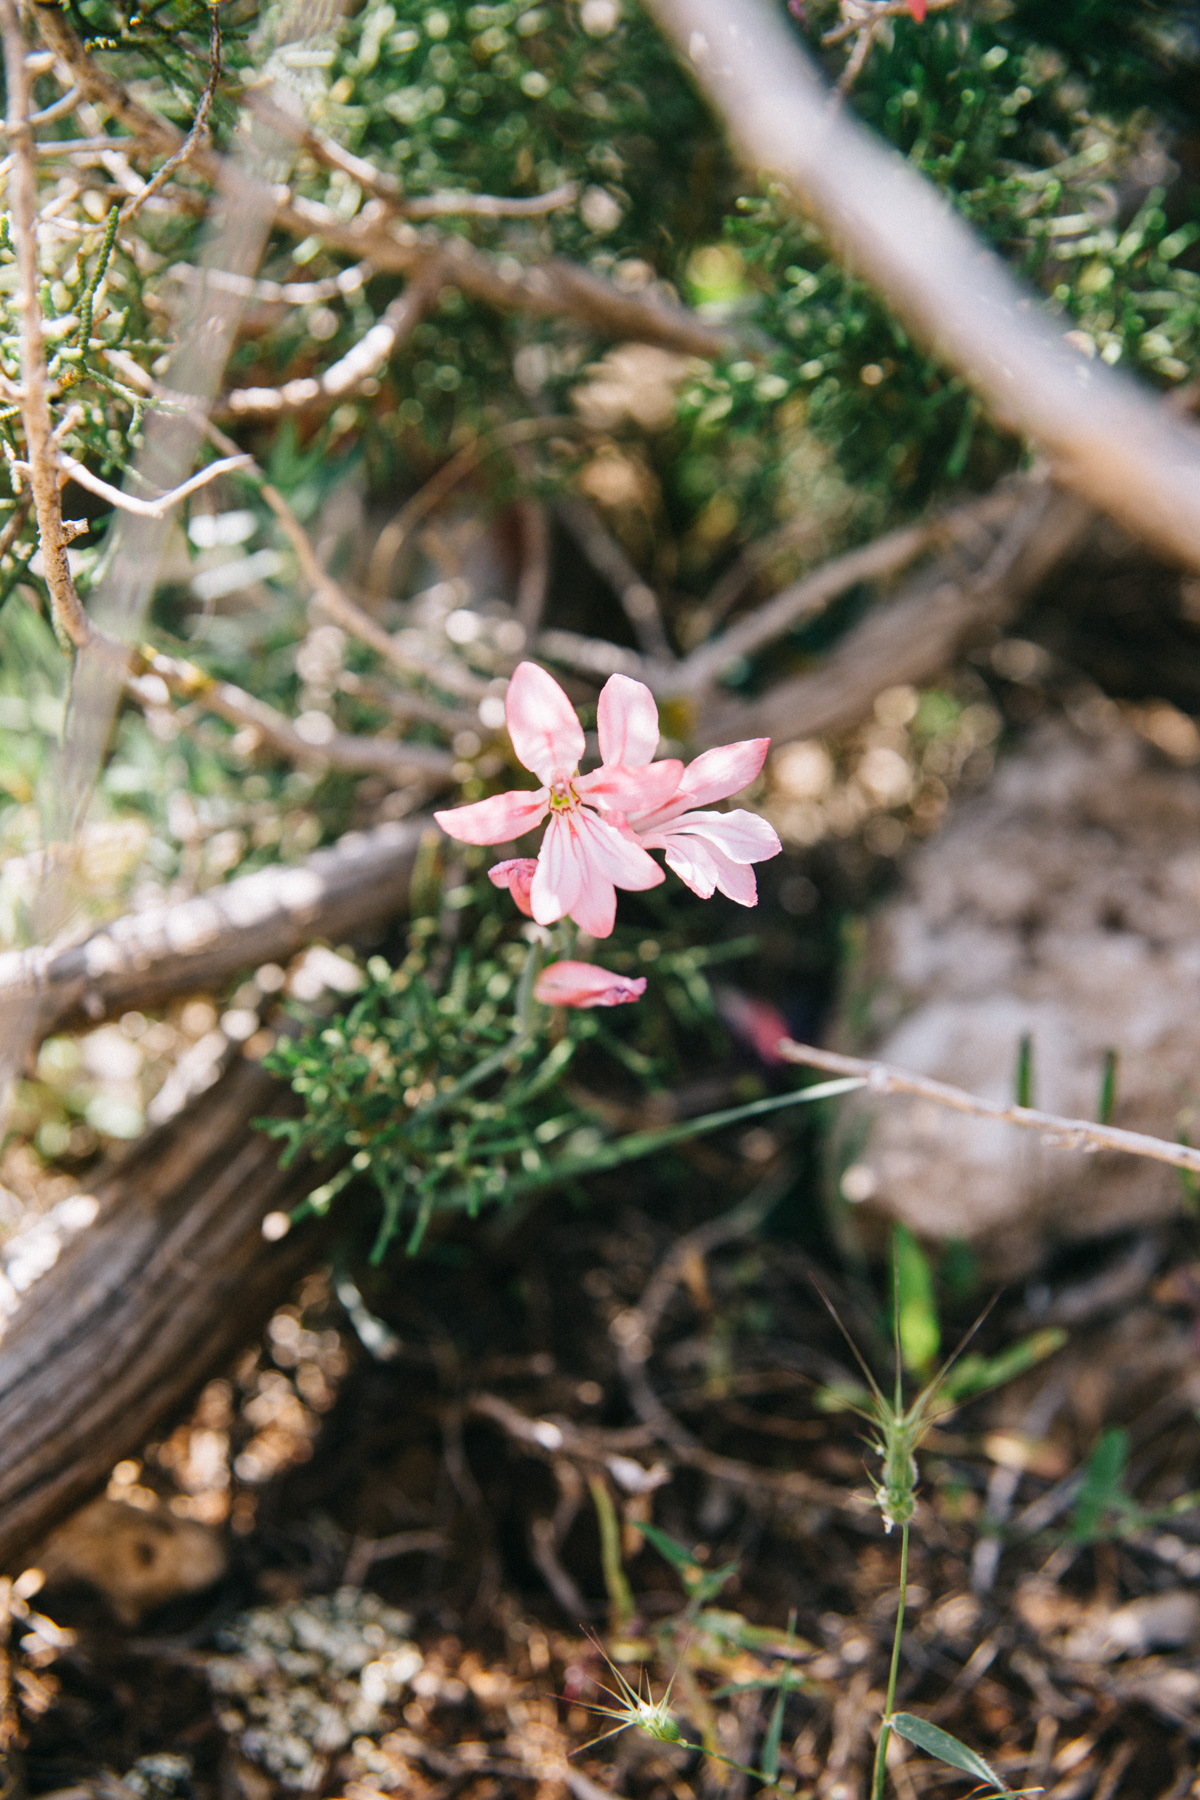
(1070, 1134)
(1104, 437)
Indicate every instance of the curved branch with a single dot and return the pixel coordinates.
(1105, 437)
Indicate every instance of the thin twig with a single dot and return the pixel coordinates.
(197, 137)
(880, 9)
(361, 755)
(69, 617)
(608, 557)
(148, 509)
(1071, 1134)
(812, 593)
(347, 375)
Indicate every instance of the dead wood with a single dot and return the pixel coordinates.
(144, 958)
(148, 1302)
(1105, 436)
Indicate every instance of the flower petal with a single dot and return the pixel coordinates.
(740, 835)
(557, 884)
(627, 720)
(694, 866)
(586, 984)
(517, 876)
(614, 788)
(719, 773)
(495, 821)
(595, 911)
(610, 856)
(545, 732)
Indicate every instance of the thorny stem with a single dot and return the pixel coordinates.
(885, 1729)
(70, 620)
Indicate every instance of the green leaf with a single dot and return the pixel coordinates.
(936, 1742)
(1102, 1492)
(917, 1321)
(975, 1374)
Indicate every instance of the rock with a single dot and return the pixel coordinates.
(1062, 903)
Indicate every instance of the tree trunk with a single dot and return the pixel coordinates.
(148, 1302)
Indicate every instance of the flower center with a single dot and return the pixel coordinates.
(563, 797)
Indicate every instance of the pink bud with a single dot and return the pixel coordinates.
(917, 9)
(517, 876)
(586, 984)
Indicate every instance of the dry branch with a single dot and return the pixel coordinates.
(392, 245)
(1105, 438)
(148, 1302)
(929, 622)
(1068, 1134)
(144, 958)
(69, 617)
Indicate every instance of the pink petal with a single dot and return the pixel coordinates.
(517, 876)
(742, 836)
(611, 857)
(586, 984)
(917, 9)
(637, 790)
(545, 732)
(722, 772)
(495, 821)
(595, 911)
(627, 719)
(694, 866)
(735, 880)
(558, 881)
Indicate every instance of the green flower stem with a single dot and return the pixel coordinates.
(885, 1729)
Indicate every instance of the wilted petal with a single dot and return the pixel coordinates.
(558, 880)
(517, 876)
(627, 720)
(586, 984)
(545, 732)
(616, 789)
(495, 821)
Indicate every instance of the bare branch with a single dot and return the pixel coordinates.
(875, 10)
(147, 509)
(917, 634)
(607, 556)
(488, 206)
(810, 595)
(347, 375)
(1070, 1134)
(534, 579)
(69, 617)
(361, 755)
(402, 653)
(1104, 437)
(391, 245)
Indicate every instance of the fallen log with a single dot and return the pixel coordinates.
(149, 1302)
(144, 958)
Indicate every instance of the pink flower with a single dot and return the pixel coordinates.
(586, 984)
(707, 850)
(583, 858)
(917, 9)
